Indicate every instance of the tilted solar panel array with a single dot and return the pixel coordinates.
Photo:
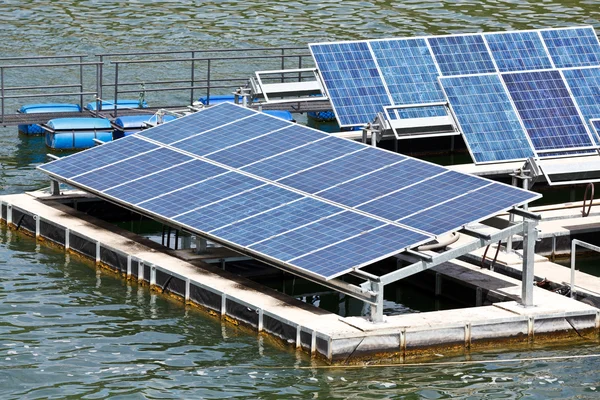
(539, 103)
(284, 193)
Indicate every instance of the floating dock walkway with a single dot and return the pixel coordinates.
(327, 335)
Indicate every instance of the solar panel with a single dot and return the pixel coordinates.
(572, 47)
(410, 74)
(302, 218)
(404, 71)
(518, 51)
(547, 110)
(182, 128)
(352, 81)
(486, 117)
(585, 87)
(461, 54)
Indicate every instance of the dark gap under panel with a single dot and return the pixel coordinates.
(4, 211)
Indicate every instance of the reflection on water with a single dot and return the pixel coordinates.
(67, 330)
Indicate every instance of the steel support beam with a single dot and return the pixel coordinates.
(529, 238)
(450, 254)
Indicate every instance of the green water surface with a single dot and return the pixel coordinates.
(68, 330)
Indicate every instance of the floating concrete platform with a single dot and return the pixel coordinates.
(324, 334)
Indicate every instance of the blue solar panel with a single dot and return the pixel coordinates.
(322, 233)
(572, 47)
(230, 134)
(341, 170)
(266, 146)
(596, 125)
(305, 157)
(380, 183)
(98, 157)
(410, 74)
(474, 206)
(585, 87)
(250, 210)
(461, 55)
(206, 191)
(363, 249)
(518, 51)
(487, 119)
(547, 110)
(235, 208)
(412, 199)
(183, 127)
(276, 221)
(353, 83)
(132, 168)
(165, 181)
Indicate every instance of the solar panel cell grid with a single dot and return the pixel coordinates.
(585, 87)
(353, 83)
(315, 236)
(547, 110)
(277, 221)
(518, 51)
(265, 146)
(205, 191)
(246, 212)
(99, 156)
(340, 170)
(184, 127)
(410, 74)
(574, 47)
(293, 161)
(473, 206)
(132, 168)
(230, 134)
(461, 55)
(374, 185)
(237, 207)
(359, 250)
(165, 181)
(487, 118)
(412, 199)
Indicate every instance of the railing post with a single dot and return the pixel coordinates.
(100, 78)
(81, 82)
(208, 82)
(116, 88)
(2, 89)
(529, 238)
(573, 250)
(193, 77)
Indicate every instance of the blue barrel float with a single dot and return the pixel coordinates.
(222, 98)
(77, 133)
(110, 105)
(130, 124)
(34, 129)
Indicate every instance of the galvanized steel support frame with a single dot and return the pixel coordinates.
(527, 228)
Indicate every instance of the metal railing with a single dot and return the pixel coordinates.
(192, 72)
(176, 78)
(574, 244)
(18, 84)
